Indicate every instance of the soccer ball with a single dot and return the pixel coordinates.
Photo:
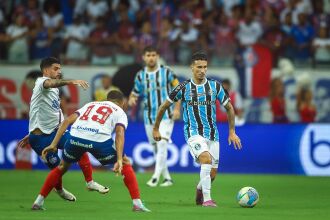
(247, 197)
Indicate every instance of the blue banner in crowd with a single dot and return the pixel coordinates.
(267, 148)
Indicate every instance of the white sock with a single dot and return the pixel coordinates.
(40, 200)
(137, 202)
(161, 158)
(166, 173)
(199, 185)
(90, 182)
(205, 180)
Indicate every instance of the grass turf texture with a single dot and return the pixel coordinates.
(281, 197)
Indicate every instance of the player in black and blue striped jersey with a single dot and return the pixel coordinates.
(154, 83)
(198, 96)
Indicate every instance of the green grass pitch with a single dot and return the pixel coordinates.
(281, 197)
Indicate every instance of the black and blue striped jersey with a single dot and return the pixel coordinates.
(199, 107)
(154, 87)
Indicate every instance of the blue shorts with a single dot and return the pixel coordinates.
(40, 142)
(75, 147)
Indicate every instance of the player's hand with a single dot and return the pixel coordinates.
(176, 114)
(118, 167)
(45, 151)
(156, 134)
(82, 83)
(23, 142)
(233, 138)
(132, 100)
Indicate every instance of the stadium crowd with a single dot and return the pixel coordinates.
(104, 32)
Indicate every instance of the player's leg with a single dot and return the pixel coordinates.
(199, 149)
(86, 168)
(166, 128)
(132, 186)
(54, 176)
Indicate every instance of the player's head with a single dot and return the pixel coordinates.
(117, 97)
(150, 56)
(226, 84)
(199, 65)
(51, 67)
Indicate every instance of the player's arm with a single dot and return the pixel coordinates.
(163, 107)
(177, 107)
(23, 142)
(120, 139)
(134, 95)
(233, 138)
(55, 83)
(64, 125)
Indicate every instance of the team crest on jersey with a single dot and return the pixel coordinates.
(197, 146)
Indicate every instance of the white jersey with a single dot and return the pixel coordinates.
(45, 112)
(98, 120)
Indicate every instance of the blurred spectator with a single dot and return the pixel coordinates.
(321, 46)
(53, 19)
(143, 39)
(164, 44)
(249, 30)
(235, 99)
(41, 39)
(303, 34)
(100, 94)
(101, 43)
(75, 39)
(224, 40)
(95, 9)
(16, 35)
(319, 18)
(124, 39)
(183, 40)
(277, 101)
(305, 107)
(32, 12)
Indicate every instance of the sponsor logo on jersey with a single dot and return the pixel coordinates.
(201, 102)
(77, 143)
(94, 130)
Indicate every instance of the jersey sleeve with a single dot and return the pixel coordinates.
(39, 84)
(176, 94)
(222, 96)
(121, 119)
(172, 79)
(138, 85)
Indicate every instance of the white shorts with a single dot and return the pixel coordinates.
(198, 144)
(165, 129)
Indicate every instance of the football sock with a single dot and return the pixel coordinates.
(137, 202)
(59, 186)
(205, 179)
(130, 181)
(52, 179)
(166, 173)
(161, 157)
(86, 167)
(40, 200)
(199, 185)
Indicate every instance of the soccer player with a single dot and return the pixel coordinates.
(198, 96)
(45, 117)
(154, 84)
(91, 131)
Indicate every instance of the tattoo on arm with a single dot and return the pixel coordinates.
(55, 83)
(230, 115)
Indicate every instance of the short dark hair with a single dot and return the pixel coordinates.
(150, 48)
(226, 81)
(200, 55)
(115, 95)
(47, 62)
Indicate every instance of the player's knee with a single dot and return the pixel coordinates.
(52, 160)
(205, 158)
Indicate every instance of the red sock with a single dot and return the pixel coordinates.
(51, 181)
(86, 167)
(130, 181)
(59, 186)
